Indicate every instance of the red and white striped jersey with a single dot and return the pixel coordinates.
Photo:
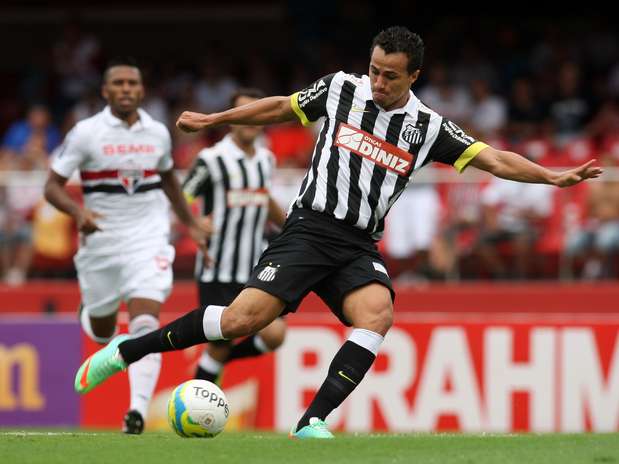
(119, 168)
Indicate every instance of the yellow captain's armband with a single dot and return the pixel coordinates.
(294, 102)
(189, 198)
(467, 155)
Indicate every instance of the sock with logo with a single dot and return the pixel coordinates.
(347, 369)
(195, 327)
(251, 346)
(143, 375)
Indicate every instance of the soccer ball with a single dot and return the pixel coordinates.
(198, 408)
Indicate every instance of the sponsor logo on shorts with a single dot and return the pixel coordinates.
(374, 149)
(268, 273)
(380, 268)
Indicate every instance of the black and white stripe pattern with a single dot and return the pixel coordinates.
(354, 188)
(234, 191)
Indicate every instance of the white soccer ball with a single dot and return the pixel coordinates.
(198, 408)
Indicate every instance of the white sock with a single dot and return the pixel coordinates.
(369, 340)
(209, 364)
(87, 327)
(143, 374)
(211, 322)
(260, 345)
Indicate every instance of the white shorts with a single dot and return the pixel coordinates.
(412, 222)
(106, 280)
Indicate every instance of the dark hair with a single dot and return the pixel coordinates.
(120, 61)
(399, 39)
(250, 92)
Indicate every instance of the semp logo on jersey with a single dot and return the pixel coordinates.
(268, 273)
(412, 134)
(374, 149)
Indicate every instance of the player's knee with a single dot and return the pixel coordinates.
(377, 318)
(274, 335)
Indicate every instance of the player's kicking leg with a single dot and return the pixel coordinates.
(251, 311)
(216, 355)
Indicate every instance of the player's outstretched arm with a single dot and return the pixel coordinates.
(512, 166)
(269, 110)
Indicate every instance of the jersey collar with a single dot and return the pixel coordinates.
(143, 122)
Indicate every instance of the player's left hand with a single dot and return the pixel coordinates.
(576, 175)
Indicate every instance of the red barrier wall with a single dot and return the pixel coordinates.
(552, 297)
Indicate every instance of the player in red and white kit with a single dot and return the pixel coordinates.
(124, 161)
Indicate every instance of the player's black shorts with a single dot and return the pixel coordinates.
(218, 293)
(316, 252)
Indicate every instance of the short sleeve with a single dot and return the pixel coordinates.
(166, 161)
(453, 146)
(196, 181)
(70, 155)
(310, 103)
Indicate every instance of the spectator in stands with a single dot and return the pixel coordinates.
(569, 110)
(513, 214)
(28, 142)
(446, 98)
(598, 240)
(525, 113)
(489, 114)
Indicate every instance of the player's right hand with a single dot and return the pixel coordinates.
(189, 121)
(87, 221)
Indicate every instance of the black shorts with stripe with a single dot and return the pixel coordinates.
(316, 252)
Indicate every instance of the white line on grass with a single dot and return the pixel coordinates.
(29, 434)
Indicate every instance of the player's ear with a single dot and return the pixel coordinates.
(415, 75)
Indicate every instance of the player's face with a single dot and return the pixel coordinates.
(390, 79)
(245, 134)
(123, 89)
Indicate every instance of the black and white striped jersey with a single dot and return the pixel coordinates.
(364, 155)
(234, 189)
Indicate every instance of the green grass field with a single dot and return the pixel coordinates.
(53, 446)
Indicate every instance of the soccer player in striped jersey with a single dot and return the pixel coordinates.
(375, 134)
(124, 160)
(232, 179)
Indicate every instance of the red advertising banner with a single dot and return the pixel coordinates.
(463, 372)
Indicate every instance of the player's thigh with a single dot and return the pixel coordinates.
(250, 312)
(361, 294)
(99, 279)
(147, 274)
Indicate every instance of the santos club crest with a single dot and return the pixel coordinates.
(412, 134)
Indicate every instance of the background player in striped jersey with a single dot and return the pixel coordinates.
(232, 179)
(124, 160)
(375, 134)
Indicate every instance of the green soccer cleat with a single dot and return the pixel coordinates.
(316, 429)
(101, 365)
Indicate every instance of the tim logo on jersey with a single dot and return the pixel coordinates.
(374, 149)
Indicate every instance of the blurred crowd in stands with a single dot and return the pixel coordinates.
(544, 92)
